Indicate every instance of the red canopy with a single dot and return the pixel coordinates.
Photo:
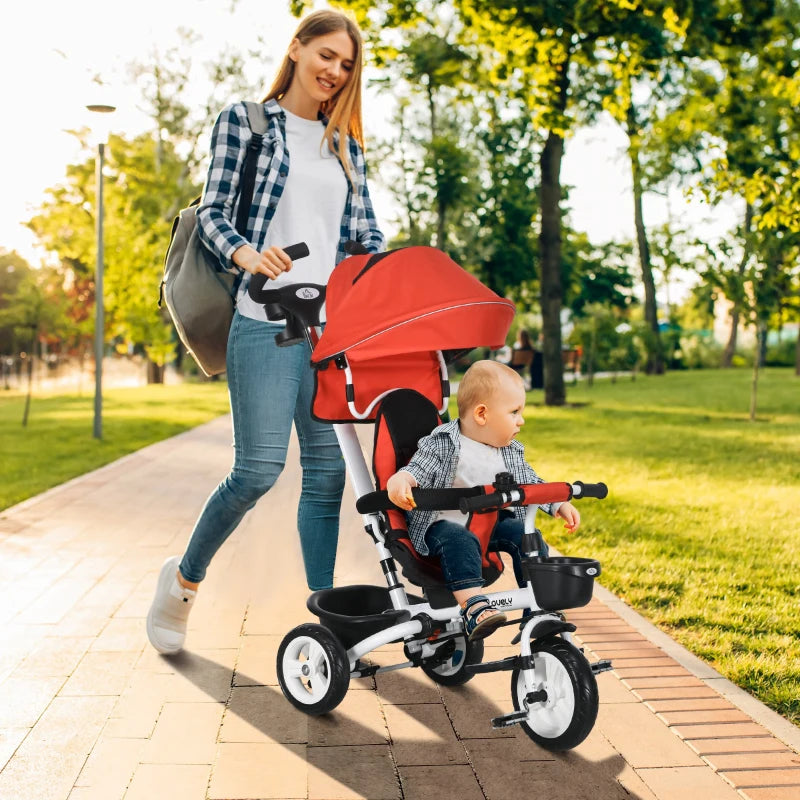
(408, 300)
(389, 314)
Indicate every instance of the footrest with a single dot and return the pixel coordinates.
(603, 665)
(509, 719)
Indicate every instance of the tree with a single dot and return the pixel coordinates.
(150, 176)
(32, 310)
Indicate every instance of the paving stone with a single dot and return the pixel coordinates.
(186, 733)
(757, 744)
(711, 703)
(719, 731)
(699, 692)
(256, 661)
(109, 769)
(23, 700)
(168, 780)
(765, 777)
(678, 783)
(357, 720)
(54, 657)
(49, 760)
(698, 717)
(259, 770)
(422, 734)
(733, 761)
(10, 739)
(442, 782)
(101, 673)
(642, 739)
(342, 773)
(770, 793)
(406, 686)
(263, 715)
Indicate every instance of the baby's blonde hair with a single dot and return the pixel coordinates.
(480, 382)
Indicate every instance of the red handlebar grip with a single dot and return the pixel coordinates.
(540, 493)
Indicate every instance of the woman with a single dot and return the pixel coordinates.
(319, 196)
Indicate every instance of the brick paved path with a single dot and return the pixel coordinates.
(88, 711)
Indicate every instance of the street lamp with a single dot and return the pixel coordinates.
(101, 134)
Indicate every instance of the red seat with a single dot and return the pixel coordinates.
(403, 418)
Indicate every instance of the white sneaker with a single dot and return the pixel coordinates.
(166, 621)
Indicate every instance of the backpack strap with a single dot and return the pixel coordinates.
(257, 118)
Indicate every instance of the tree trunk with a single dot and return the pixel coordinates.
(761, 334)
(550, 255)
(31, 357)
(155, 372)
(797, 354)
(735, 314)
(655, 355)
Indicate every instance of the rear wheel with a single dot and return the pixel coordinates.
(313, 669)
(565, 718)
(452, 672)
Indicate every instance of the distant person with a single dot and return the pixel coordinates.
(522, 353)
(471, 451)
(320, 197)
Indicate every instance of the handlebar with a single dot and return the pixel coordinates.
(476, 498)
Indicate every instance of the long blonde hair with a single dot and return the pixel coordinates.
(343, 110)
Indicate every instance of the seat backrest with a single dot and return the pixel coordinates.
(403, 418)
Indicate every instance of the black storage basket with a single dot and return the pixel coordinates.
(561, 582)
(353, 613)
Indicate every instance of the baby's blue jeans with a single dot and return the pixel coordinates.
(459, 550)
(270, 387)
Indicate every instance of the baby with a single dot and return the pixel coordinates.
(470, 451)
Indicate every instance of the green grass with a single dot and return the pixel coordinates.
(700, 531)
(57, 443)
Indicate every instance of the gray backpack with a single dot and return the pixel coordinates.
(199, 294)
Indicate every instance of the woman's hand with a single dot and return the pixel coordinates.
(272, 261)
(570, 515)
(399, 487)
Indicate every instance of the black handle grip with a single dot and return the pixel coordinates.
(259, 280)
(425, 499)
(597, 490)
(480, 502)
(295, 251)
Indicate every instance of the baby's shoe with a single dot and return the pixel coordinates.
(166, 622)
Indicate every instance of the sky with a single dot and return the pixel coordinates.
(54, 48)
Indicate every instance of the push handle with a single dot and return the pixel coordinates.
(597, 490)
(259, 280)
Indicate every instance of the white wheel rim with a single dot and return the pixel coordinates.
(306, 670)
(551, 718)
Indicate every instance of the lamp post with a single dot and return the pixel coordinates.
(99, 319)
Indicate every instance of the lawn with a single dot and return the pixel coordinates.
(57, 443)
(699, 532)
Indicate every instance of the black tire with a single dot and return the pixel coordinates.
(313, 669)
(454, 674)
(569, 714)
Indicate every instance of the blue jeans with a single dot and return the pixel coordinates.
(270, 387)
(459, 550)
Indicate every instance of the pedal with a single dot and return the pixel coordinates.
(604, 665)
(509, 719)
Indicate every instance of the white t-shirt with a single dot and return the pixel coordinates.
(310, 210)
(478, 465)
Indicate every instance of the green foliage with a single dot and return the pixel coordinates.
(14, 270)
(699, 529)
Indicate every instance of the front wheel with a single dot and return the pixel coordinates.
(565, 718)
(452, 672)
(313, 669)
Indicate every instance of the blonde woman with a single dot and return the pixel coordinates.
(311, 187)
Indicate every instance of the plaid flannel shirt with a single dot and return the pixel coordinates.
(434, 467)
(219, 205)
